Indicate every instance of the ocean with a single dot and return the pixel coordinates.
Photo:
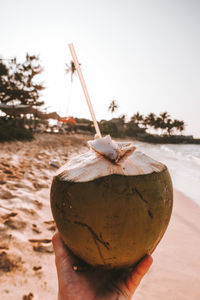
(183, 162)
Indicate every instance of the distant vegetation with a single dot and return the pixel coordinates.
(162, 122)
(18, 87)
(139, 127)
(17, 81)
(9, 132)
(142, 127)
(151, 128)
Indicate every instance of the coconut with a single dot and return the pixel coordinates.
(112, 204)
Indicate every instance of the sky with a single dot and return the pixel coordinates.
(142, 53)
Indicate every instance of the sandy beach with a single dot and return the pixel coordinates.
(174, 274)
(27, 269)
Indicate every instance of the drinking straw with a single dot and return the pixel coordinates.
(78, 69)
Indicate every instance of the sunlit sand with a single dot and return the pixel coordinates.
(26, 226)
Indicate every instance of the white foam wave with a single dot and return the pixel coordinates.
(183, 162)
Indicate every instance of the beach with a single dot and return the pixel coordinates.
(27, 268)
(174, 274)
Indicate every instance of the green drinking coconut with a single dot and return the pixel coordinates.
(112, 204)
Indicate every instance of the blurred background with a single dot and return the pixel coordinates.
(140, 60)
(142, 54)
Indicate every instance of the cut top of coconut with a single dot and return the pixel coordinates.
(93, 164)
(110, 149)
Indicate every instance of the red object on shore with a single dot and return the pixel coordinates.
(68, 120)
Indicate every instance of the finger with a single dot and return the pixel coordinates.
(58, 245)
(61, 251)
(137, 275)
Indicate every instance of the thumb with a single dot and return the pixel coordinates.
(59, 247)
(62, 255)
(63, 261)
(134, 279)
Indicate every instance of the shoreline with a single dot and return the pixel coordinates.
(179, 139)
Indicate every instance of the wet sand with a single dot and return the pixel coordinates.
(27, 269)
(175, 273)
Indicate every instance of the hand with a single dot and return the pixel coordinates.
(94, 285)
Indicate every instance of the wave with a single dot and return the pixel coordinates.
(183, 162)
(193, 158)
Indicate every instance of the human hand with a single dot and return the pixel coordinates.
(94, 285)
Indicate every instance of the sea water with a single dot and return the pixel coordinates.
(183, 162)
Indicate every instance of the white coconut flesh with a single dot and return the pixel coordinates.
(106, 157)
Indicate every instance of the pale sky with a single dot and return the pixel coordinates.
(144, 53)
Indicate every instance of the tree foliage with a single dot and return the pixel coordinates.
(10, 132)
(138, 119)
(17, 81)
(165, 123)
(108, 127)
(113, 106)
(71, 69)
(162, 122)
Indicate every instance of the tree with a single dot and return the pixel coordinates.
(179, 125)
(169, 126)
(158, 123)
(113, 106)
(108, 127)
(164, 122)
(137, 118)
(164, 116)
(3, 70)
(17, 81)
(122, 119)
(150, 120)
(71, 69)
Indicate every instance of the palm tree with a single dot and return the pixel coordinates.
(165, 122)
(137, 118)
(123, 118)
(157, 123)
(113, 106)
(71, 69)
(169, 126)
(150, 120)
(3, 69)
(164, 116)
(179, 125)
